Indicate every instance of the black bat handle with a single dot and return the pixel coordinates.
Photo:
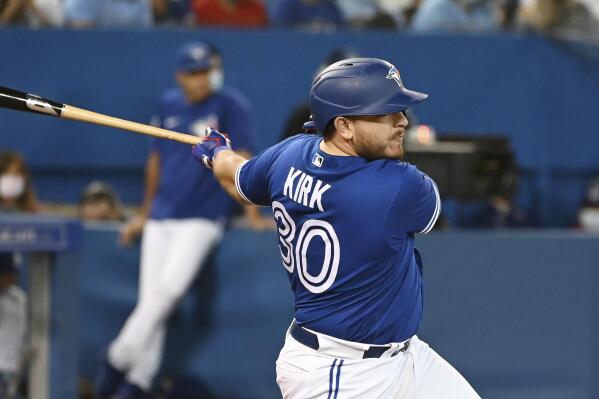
(20, 101)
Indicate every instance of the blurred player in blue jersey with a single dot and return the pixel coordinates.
(183, 216)
(347, 210)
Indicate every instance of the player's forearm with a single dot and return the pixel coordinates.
(225, 165)
(152, 179)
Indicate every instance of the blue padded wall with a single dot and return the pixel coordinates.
(515, 312)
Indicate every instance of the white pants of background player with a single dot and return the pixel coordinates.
(337, 371)
(172, 253)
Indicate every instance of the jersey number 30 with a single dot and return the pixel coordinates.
(296, 256)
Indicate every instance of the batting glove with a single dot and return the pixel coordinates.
(212, 143)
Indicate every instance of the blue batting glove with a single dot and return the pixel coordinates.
(212, 143)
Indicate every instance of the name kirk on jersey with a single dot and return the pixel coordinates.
(304, 189)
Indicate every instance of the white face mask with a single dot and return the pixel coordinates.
(216, 78)
(589, 219)
(12, 186)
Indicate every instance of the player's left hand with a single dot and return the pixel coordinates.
(212, 143)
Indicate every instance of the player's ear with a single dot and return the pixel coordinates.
(344, 127)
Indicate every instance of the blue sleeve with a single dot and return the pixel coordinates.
(417, 203)
(251, 177)
(81, 11)
(237, 123)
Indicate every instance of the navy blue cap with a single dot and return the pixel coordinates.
(194, 56)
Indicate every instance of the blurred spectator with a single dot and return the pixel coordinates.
(402, 11)
(507, 13)
(16, 189)
(408, 9)
(379, 14)
(45, 13)
(170, 12)
(456, 15)
(100, 202)
(16, 195)
(588, 215)
(558, 16)
(35, 13)
(366, 14)
(301, 113)
(232, 13)
(313, 15)
(12, 12)
(108, 13)
(13, 327)
(500, 212)
(592, 5)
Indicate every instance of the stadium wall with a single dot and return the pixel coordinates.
(515, 312)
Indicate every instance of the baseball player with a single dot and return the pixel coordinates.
(347, 210)
(183, 217)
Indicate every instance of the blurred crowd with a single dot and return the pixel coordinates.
(545, 16)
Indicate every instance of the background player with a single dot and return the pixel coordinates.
(358, 292)
(183, 217)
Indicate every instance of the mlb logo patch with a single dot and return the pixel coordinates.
(317, 160)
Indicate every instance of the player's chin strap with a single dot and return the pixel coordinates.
(310, 127)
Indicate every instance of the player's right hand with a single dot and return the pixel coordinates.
(131, 230)
(212, 143)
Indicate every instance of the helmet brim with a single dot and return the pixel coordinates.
(399, 102)
(415, 96)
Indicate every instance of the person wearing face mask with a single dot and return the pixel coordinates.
(183, 216)
(588, 215)
(16, 190)
(16, 196)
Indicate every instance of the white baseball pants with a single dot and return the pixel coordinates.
(172, 253)
(417, 373)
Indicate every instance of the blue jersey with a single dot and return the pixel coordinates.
(346, 234)
(186, 190)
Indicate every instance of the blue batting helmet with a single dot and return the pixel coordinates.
(358, 86)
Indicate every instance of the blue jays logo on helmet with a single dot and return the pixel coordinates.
(358, 86)
(394, 74)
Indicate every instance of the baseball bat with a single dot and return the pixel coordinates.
(20, 101)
